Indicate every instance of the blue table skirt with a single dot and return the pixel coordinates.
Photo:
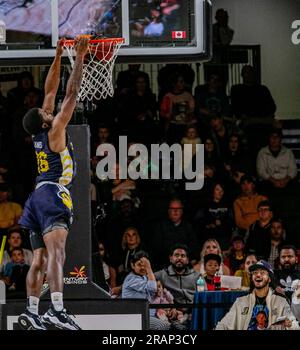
(206, 318)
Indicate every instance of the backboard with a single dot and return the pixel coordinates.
(154, 30)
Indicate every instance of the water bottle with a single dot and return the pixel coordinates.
(217, 281)
(201, 284)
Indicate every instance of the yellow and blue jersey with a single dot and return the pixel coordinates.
(50, 205)
(54, 167)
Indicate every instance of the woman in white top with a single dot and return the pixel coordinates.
(211, 246)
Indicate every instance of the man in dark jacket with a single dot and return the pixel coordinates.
(170, 232)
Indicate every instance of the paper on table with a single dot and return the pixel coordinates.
(231, 282)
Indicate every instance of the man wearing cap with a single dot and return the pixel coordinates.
(243, 314)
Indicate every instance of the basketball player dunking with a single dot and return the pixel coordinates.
(48, 211)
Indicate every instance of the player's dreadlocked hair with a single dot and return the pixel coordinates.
(33, 121)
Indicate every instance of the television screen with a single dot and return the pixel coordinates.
(96, 17)
(27, 21)
(165, 21)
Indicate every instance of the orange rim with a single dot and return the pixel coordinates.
(71, 42)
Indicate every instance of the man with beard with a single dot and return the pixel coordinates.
(243, 314)
(179, 278)
(288, 270)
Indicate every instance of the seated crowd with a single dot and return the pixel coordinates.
(240, 216)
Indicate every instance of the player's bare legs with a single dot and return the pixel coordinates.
(36, 273)
(55, 242)
(56, 316)
(34, 281)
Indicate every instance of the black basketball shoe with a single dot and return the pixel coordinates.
(29, 321)
(59, 319)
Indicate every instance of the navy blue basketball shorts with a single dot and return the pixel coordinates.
(48, 208)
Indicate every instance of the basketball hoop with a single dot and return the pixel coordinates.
(97, 68)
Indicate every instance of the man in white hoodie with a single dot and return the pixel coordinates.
(244, 313)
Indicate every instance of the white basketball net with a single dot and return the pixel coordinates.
(97, 69)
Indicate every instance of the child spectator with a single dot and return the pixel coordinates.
(14, 273)
(141, 284)
(212, 264)
(163, 296)
(191, 138)
(211, 246)
(236, 257)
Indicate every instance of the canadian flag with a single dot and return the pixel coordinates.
(179, 34)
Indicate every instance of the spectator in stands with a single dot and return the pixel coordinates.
(177, 110)
(211, 246)
(277, 240)
(24, 156)
(14, 240)
(166, 74)
(221, 133)
(276, 164)
(222, 33)
(210, 153)
(212, 264)
(258, 234)
(141, 284)
(210, 99)
(14, 273)
(137, 110)
(251, 101)
(122, 189)
(288, 270)
(163, 296)
(126, 78)
(295, 301)
(222, 38)
(111, 231)
(191, 137)
(236, 255)
(10, 212)
(179, 279)
(175, 229)
(131, 243)
(217, 217)
(245, 206)
(236, 157)
(250, 260)
(262, 298)
(110, 273)
(103, 136)
(16, 95)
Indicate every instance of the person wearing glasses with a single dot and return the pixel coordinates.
(258, 235)
(170, 231)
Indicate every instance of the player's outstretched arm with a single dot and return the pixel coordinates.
(73, 86)
(53, 79)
